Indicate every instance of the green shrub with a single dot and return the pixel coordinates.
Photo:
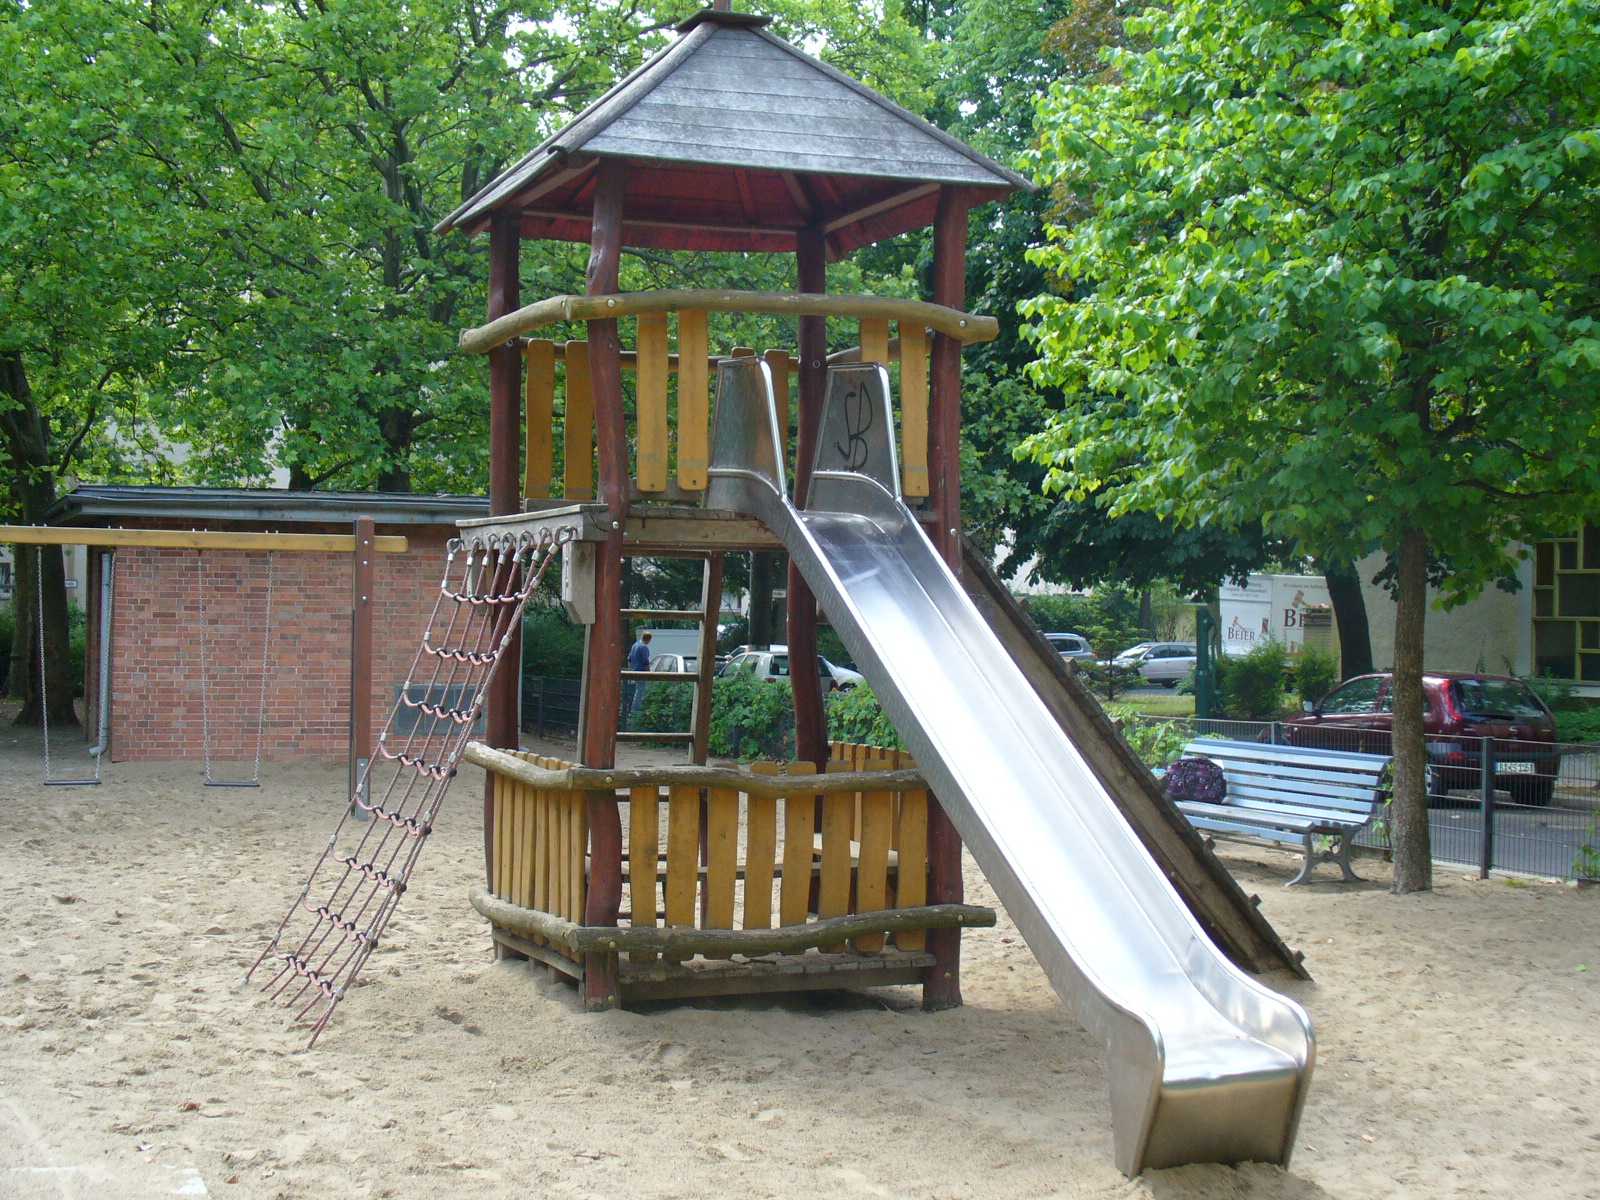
(77, 644)
(1578, 725)
(665, 707)
(1251, 686)
(1316, 672)
(751, 718)
(856, 716)
(551, 644)
(1157, 743)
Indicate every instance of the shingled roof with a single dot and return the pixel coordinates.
(735, 140)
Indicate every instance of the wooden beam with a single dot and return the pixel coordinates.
(687, 941)
(193, 539)
(961, 326)
(610, 778)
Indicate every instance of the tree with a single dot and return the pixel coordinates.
(1340, 273)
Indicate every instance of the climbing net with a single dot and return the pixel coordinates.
(324, 939)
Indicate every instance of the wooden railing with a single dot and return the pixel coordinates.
(671, 428)
(709, 870)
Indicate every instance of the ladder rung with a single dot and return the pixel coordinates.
(635, 735)
(663, 614)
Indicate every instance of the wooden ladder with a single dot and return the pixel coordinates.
(698, 735)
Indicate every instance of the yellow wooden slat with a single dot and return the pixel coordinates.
(760, 853)
(517, 847)
(194, 539)
(683, 854)
(911, 845)
(833, 891)
(722, 857)
(914, 409)
(543, 860)
(872, 860)
(577, 852)
(502, 838)
(874, 340)
(779, 363)
(644, 833)
(541, 418)
(578, 442)
(799, 851)
(651, 404)
(694, 405)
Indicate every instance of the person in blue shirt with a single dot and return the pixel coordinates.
(638, 660)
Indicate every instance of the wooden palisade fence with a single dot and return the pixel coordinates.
(771, 877)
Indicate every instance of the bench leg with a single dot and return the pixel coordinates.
(1342, 857)
(1313, 856)
(1340, 854)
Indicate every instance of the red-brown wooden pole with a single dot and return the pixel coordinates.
(505, 446)
(603, 678)
(810, 720)
(361, 581)
(943, 989)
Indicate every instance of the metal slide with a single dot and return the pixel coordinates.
(1206, 1063)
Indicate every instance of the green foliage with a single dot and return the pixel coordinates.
(1578, 724)
(1157, 743)
(1251, 686)
(1339, 275)
(666, 706)
(1316, 673)
(856, 716)
(551, 644)
(1108, 616)
(1586, 864)
(752, 718)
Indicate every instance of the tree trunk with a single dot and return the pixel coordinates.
(1147, 613)
(1413, 855)
(763, 579)
(1350, 612)
(33, 487)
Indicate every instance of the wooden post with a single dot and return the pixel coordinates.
(943, 989)
(810, 724)
(706, 664)
(505, 458)
(602, 685)
(361, 580)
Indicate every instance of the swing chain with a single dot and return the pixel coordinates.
(205, 673)
(44, 690)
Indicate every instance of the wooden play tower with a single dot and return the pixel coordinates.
(732, 140)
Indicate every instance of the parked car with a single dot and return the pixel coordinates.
(1071, 645)
(773, 663)
(684, 664)
(1458, 711)
(1159, 662)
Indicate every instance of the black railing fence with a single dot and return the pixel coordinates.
(1530, 808)
(550, 704)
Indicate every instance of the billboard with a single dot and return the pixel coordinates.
(1268, 606)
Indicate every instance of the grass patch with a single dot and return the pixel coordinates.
(1160, 706)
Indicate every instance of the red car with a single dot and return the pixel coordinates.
(1458, 711)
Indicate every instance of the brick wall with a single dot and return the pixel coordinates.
(163, 601)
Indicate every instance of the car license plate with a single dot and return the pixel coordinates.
(1515, 768)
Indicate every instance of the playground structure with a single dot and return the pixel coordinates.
(844, 867)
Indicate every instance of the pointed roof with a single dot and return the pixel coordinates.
(735, 141)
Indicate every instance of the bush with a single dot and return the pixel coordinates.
(856, 716)
(1157, 743)
(1251, 687)
(1316, 672)
(751, 718)
(551, 644)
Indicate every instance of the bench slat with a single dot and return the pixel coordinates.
(1299, 755)
(1252, 766)
(1244, 789)
(1297, 813)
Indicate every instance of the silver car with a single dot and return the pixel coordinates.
(1159, 662)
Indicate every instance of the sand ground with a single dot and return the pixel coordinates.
(1459, 1038)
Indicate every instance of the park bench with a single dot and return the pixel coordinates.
(1293, 794)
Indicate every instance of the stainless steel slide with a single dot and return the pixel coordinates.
(1206, 1063)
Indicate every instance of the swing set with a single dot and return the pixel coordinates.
(361, 544)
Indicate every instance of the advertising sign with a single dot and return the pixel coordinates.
(1268, 606)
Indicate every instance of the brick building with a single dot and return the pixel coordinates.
(162, 600)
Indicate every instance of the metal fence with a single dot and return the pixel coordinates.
(550, 704)
(1494, 805)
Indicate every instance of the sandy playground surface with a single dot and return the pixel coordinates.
(1459, 1038)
